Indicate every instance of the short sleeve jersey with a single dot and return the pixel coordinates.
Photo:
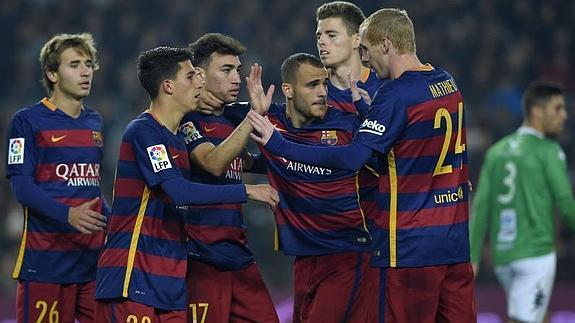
(217, 233)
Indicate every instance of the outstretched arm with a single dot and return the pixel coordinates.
(349, 157)
(215, 159)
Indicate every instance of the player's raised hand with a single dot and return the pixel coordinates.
(357, 93)
(209, 102)
(83, 219)
(259, 100)
(263, 193)
(262, 125)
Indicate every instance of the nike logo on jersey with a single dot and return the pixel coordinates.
(175, 156)
(277, 127)
(56, 139)
(206, 129)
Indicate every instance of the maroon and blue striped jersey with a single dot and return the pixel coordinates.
(63, 154)
(216, 233)
(342, 100)
(144, 258)
(319, 211)
(416, 124)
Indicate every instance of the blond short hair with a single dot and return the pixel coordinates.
(51, 51)
(393, 24)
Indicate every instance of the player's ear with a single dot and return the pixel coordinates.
(168, 86)
(355, 41)
(52, 76)
(287, 90)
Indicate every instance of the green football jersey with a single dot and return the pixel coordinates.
(523, 178)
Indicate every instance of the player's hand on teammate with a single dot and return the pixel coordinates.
(263, 193)
(357, 93)
(262, 125)
(209, 103)
(85, 220)
(260, 101)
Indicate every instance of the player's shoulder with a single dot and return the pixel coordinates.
(31, 112)
(340, 117)
(92, 113)
(143, 123)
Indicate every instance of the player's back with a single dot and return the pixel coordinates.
(423, 180)
(520, 199)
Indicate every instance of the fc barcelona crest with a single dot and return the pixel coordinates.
(329, 137)
(97, 136)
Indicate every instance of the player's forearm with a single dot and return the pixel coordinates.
(349, 157)
(258, 164)
(32, 196)
(222, 155)
(361, 107)
(184, 192)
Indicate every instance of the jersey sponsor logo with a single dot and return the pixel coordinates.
(97, 136)
(16, 151)
(56, 139)
(372, 126)
(305, 168)
(79, 174)
(449, 197)
(159, 157)
(190, 132)
(328, 137)
(235, 170)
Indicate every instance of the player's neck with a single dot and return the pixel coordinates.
(67, 104)
(297, 119)
(338, 74)
(534, 124)
(166, 115)
(400, 64)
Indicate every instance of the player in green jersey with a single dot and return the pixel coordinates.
(523, 179)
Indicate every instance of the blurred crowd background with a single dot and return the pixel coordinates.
(493, 48)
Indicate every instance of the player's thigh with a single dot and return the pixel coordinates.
(85, 302)
(209, 293)
(457, 298)
(345, 289)
(126, 311)
(412, 294)
(45, 302)
(531, 287)
(251, 300)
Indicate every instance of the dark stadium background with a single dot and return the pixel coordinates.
(493, 48)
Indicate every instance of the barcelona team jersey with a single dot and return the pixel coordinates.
(216, 233)
(319, 211)
(416, 124)
(144, 258)
(63, 155)
(342, 100)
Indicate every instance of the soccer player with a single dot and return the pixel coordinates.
(524, 176)
(337, 37)
(142, 268)
(415, 124)
(319, 219)
(224, 283)
(54, 158)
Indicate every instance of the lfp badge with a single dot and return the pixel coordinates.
(16, 151)
(159, 157)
